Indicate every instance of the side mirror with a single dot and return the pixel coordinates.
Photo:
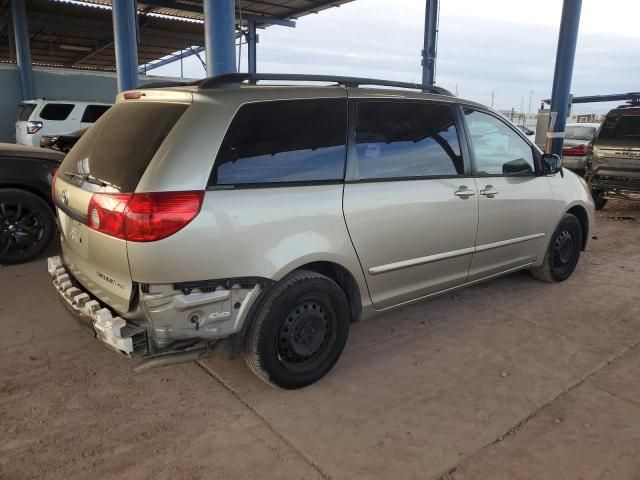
(551, 164)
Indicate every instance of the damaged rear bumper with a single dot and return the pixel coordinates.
(111, 329)
(169, 318)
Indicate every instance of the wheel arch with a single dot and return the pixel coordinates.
(345, 280)
(581, 214)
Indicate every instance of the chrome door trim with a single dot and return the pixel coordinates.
(511, 241)
(457, 287)
(390, 267)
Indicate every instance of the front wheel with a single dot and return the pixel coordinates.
(299, 332)
(563, 252)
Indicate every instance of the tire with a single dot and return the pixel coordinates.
(563, 252)
(299, 331)
(598, 199)
(27, 226)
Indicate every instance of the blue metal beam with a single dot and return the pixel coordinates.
(429, 51)
(252, 41)
(560, 94)
(125, 38)
(219, 36)
(23, 49)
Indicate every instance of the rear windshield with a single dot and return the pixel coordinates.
(580, 133)
(26, 111)
(621, 127)
(116, 151)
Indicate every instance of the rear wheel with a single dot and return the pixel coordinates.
(299, 332)
(26, 225)
(563, 252)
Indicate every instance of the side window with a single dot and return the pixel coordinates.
(56, 111)
(284, 141)
(406, 139)
(498, 150)
(93, 112)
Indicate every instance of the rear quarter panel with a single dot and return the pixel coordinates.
(264, 232)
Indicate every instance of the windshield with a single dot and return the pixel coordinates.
(580, 133)
(116, 151)
(621, 127)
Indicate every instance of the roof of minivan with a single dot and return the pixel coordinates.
(24, 151)
(285, 91)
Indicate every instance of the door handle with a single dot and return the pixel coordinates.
(464, 192)
(489, 191)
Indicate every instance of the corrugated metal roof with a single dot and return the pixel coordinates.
(66, 34)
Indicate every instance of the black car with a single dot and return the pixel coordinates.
(62, 142)
(27, 222)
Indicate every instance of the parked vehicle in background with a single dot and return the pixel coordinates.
(62, 142)
(273, 216)
(613, 166)
(53, 117)
(576, 139)
(27, 221)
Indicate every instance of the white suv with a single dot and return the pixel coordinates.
(46, 117)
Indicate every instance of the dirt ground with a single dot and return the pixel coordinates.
(511, 379)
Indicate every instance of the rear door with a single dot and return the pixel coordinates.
(410, 207)
(514, 200)
(110, 158)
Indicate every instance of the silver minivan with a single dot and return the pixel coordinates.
(273, 216)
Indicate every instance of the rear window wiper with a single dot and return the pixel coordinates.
(86, 177)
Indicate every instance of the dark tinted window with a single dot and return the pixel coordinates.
(56, 111)
(621, 127)
(406, 139)
(284, 141)
(497, 148)
(119, 147)
(93, 112)
(26, 111)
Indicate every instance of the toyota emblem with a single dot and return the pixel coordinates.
(64, 197)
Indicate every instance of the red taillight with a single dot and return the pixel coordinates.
(33, 127)
(107, 213)
(143, 217)
(577, 151)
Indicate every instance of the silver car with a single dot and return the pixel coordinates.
(273, 216)
(576, 140)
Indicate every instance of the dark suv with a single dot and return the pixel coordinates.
(613, 166)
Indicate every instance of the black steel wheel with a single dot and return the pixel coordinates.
(26, 225)
(299, 330)
(563, 252)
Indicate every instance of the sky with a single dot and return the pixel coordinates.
(503, 46)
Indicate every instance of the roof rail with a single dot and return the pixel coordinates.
(235, 79)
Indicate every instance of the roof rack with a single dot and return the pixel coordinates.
(235, 79)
